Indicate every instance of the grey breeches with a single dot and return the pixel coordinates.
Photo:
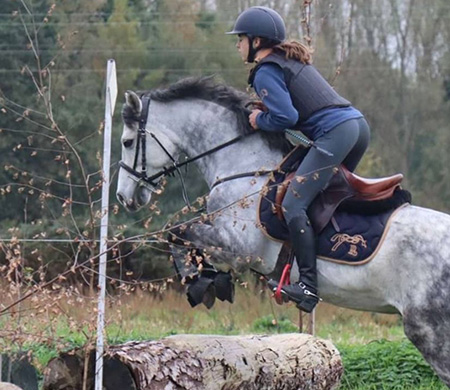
(347, 142)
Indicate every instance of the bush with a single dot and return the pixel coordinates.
(44, 261)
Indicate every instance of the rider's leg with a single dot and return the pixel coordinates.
(355, 155)
(312, 176)
(303, 241)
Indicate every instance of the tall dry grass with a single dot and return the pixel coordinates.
(57, 317)
(168, 313)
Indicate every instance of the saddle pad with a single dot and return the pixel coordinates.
(352, 238)
(348, 238)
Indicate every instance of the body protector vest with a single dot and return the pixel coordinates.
(309, 91)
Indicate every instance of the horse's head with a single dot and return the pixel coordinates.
(194, 116)
(146, 149)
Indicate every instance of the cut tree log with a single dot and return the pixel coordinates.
(17, 369)
(8, 386)
(209, 362)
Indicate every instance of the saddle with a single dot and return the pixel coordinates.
(351, 216)
(344, 185)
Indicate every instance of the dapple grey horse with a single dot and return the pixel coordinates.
(410, 274)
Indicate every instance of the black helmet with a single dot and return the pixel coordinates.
(260, 22)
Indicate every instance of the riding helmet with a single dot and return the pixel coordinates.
(260, 22)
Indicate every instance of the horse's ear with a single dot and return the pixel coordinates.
(132, 100)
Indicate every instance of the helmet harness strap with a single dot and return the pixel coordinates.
(251, 49)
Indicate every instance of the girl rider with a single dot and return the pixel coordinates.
(298, 97)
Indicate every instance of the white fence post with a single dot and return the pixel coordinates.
(111, 95)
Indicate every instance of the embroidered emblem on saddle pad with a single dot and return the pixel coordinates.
(353, 241)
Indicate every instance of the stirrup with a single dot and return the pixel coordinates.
(273, 286)
(305, 300)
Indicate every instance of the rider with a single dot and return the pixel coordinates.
(297, 97)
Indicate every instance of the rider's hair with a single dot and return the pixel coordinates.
(291, 49)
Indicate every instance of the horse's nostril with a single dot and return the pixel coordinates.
(120, 198)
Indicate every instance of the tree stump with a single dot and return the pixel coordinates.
(184, 362)
(17, 369)
(8, 386)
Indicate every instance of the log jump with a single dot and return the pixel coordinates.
(209, 362)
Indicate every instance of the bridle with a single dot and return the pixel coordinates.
(151, 182)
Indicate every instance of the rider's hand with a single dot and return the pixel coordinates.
(252, 119)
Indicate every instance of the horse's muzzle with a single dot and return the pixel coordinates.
(141, 198)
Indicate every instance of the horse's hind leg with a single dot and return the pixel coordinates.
(429, 330)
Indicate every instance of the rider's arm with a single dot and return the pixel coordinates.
(271, 87)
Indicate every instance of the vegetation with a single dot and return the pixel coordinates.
(389, 57)
(388, 363)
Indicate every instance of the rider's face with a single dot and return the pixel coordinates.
(242, 45)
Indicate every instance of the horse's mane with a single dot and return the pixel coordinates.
(207, 89)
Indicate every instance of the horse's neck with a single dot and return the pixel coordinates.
(247, 155)
(203, 125)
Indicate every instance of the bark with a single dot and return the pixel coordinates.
(16, 370)
(8, 386)
(288, 361)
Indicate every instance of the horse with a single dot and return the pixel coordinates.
(409, 274)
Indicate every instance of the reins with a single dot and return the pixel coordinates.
(175, 167)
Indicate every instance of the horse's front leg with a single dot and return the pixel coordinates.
(192, 249)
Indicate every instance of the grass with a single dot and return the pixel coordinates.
(152, 317)
(392, 363)
(384, 364)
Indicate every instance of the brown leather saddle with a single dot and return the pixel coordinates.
(344, 185)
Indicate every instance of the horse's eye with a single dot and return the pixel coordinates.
(128, 143)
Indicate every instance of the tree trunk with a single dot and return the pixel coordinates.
(287, 361)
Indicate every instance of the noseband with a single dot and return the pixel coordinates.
(149, 181)
(141, 147)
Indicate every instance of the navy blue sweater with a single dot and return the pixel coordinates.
(270, 85)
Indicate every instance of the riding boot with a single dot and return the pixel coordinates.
(303, 241)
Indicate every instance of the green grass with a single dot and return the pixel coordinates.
(383, 365)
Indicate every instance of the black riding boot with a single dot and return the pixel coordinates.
(303, 240)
